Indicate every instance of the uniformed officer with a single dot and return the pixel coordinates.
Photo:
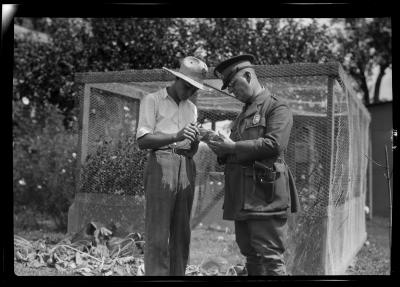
(167, 129)
(259, 188)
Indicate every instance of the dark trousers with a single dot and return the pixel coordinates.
(262, 242)
(169, 189)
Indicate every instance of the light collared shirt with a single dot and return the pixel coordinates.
(159, 113)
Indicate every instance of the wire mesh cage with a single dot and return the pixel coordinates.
(326, 153)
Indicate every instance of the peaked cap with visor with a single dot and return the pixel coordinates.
(227, 69)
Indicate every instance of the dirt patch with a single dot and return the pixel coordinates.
(209, 243)
(372, 259)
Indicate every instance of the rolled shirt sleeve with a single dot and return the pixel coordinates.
(147, 116)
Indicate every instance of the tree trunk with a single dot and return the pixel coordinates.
(378, 82)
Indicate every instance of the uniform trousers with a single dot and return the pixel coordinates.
(262, 242)
(169, 182)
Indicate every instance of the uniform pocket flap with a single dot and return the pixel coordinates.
(253, 123)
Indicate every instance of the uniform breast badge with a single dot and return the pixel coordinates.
(256, 119)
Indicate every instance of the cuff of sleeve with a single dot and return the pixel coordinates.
(142, 131)
(240, 147)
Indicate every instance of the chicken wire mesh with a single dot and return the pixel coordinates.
(326, 153)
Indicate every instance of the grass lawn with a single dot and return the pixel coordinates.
(374, 256)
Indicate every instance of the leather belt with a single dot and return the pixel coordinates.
(233, 160)
(173, 150)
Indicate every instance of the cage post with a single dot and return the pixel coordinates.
(73, 211)
(329, 162)
(85, 123)
(81, 121)
(370, 191)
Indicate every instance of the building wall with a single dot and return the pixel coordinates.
(381, 129)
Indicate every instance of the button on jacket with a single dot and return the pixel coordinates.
(261, 132)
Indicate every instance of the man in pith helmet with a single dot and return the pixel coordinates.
(167, 128)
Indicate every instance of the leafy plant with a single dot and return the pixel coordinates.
(44, 162)
(115, 169)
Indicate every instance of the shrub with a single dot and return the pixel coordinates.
(44, 161)
(115, 169)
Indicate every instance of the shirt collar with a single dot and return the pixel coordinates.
(164, 93)
(258, 100)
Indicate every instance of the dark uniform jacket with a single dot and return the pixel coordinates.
(258, 182)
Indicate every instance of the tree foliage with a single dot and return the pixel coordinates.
(363, 44)
(45, 71)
